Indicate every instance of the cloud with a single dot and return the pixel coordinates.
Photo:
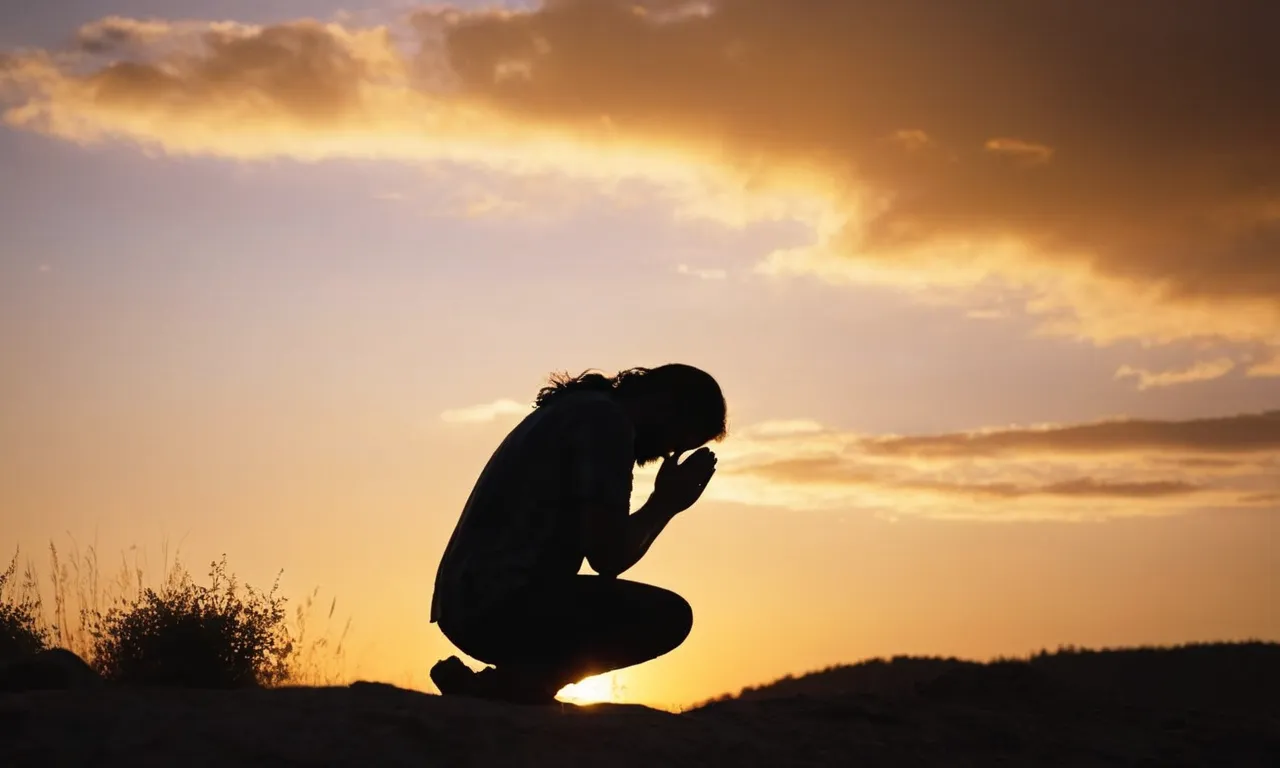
(987, 314)
(1169, 206)
(1095, 470)
(1268, 367)
(1205, 370)
(116, 33)
(832, 472)
(487, 412)
(1242, 434)
(1264, 498)
(1026, 152)
(702, 272)
(307, 90)
(911, 139)
(1121, 186)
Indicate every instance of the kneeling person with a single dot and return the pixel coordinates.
(556, 491)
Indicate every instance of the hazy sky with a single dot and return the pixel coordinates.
(993, 290)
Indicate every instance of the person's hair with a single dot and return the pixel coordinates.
(698, 401)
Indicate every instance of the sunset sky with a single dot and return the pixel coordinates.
(992, 288)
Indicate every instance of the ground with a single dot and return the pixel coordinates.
(956, 723)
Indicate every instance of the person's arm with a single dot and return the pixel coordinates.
(601, 458)
(613, 539)
(614, 545)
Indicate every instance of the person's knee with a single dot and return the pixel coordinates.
(679, 619)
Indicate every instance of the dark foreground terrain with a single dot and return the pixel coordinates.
(1205, 705)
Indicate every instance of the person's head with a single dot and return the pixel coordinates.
(674, 407)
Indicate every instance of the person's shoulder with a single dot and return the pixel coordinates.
(590, 401)
(593, 406)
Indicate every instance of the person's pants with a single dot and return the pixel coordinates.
(564, 630)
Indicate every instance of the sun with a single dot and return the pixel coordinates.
(592, 690)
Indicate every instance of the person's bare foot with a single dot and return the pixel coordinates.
(454, 678)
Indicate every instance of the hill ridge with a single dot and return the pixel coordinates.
(1221, 675)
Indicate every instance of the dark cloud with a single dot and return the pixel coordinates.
(115, 34)
(1090, 487)
(1262, 499)
(301, 69)
(1140, 138)
(1246, 433)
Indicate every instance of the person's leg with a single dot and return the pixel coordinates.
(562, 631)
(588, 625)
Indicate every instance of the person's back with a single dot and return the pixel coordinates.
(513, 530)
(555, 492)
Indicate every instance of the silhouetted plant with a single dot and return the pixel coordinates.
(21, 629)
(195, 636)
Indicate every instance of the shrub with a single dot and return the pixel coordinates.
(21, 630)
(195, 636)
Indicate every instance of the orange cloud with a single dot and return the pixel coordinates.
(1205, 370)
(1148, 187)
(1268, 367)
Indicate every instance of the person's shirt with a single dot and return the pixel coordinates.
(521, 522)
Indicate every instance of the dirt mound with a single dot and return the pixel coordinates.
(372, 724)
(1192, 706)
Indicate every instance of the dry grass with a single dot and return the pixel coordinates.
(67, 608)
(22, 629)
(319, 659)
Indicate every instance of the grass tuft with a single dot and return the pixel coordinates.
(222, 634)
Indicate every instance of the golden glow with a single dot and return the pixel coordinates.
(597, 689)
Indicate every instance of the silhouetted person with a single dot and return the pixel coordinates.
(556, 491)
